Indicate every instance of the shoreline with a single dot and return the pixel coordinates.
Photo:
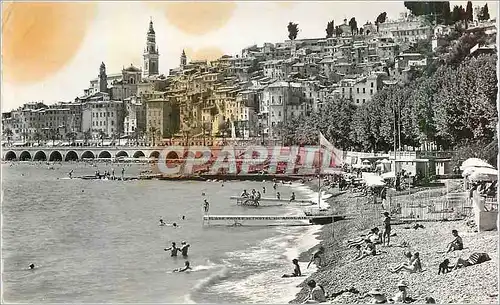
(475, 284)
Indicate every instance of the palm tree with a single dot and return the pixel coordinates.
(159, 135)
(87, 135)
(38, 136)
(71, 136)
(54, 134)
(7, 132)
(102, 135)
(152, 133)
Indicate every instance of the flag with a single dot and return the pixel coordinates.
(332, 157)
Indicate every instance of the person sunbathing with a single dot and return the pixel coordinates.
(369, 250)
(474, 259)
(413, 267)
(457, 243)
(375, 237)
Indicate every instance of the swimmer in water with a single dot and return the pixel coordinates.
(173, 250)
(162, 223)
(184, 249)
(183, 217)
(203, 194)
(185, 268)
(32, 266)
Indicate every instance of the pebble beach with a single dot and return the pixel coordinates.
(474, 284)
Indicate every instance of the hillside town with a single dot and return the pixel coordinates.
(243, 97)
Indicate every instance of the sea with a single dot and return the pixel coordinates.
(100, 241)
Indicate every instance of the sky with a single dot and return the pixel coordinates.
(51, 51)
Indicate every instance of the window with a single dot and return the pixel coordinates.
(371, 84)
(279, 113)
(364, 90)
(357, 101)
(371, 91)
(113, 122)
(357, 90)
(363, 101)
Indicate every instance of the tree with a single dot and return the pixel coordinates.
(458, 14)
(38, 136)
(330, 29)
(381, 18)
(8, 133)
(338, 31)
(102, 135)
(71, 136)
(354, 26)
(360, 31)
(293, 30)
(446, 13)
(87, 135)
(484, 13)
(469, 11)
(53, 134)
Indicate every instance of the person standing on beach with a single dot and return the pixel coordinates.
(206, 206)
(123, 173)
(263, 190)
(278, 195)
(387, 229)
(70, 174)
(316, 256)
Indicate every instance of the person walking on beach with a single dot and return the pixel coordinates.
(206, 206)
(263, 190)
(70, 174)
(278, 195)
(316, 256)
(173, 250)
(292, 197)
(113, 173)
(387, 230)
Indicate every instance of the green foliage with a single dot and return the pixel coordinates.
(484, 13)
(338, 31)
(293, 30)
(354, 25)
(330, 30)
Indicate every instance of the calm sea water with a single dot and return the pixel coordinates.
(99, 241)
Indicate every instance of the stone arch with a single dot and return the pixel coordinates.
(172, 156)
(154, 154)
(104, 154)
(139, 154)
(10, 155)
(122, 154)
(25, 156)
(40, 156)
(55, 156)
(87, 155)
(71, 156)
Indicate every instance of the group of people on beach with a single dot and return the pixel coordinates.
(366, 246)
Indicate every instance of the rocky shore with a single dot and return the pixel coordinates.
(475, 284)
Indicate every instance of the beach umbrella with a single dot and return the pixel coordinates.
(366, 162)
(484, 174)
(474, 162)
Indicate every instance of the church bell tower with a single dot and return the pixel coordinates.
(151, 55)
(103, 78)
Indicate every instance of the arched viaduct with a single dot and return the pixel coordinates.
(78, 153)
